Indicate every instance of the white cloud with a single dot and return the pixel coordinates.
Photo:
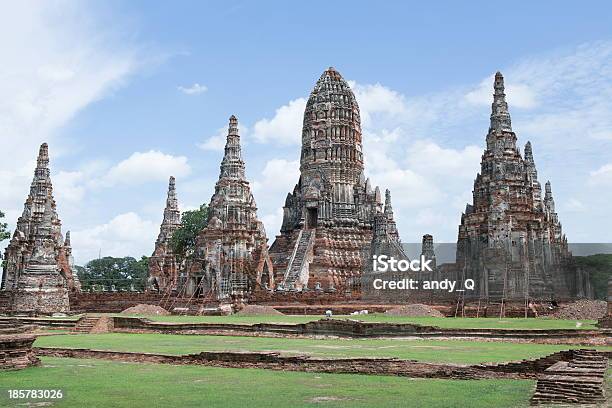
(124, 235)
(518, 95)
(194, 89)
(278, 175)
(286, 125)
(144, 167)
(57, 59)
(377, 99)
(574, 205)
(216, 143)
(272, 223)
(602, 175)
(278, 178)
(431, 158)
(71, 184)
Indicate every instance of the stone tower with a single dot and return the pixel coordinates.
(38, 268)
(231, 256)
(427, 250)
(510, 240)
(163, 266)
(328, 219)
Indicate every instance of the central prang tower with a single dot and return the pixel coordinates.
(329, 218)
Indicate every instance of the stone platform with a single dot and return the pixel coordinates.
(16, 352)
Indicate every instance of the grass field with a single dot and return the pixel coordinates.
(451, 351)
(446, 322)
(97, 383)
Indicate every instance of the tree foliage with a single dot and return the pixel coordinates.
(108, 272)
(4, 232)
(600, 269)
(184, 238)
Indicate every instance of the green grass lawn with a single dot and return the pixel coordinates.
(446, 322)
(452, 351)
(97, 383)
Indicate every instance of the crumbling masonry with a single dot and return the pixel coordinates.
(328, 219)
(510, 239)
(38, 272)
(163, 266)
(231, 257)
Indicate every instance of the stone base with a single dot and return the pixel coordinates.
(40, 301)
(16, 352)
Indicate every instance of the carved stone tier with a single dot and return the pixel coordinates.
(38, 268)
(231, 257)
(510, 240)
(328, 219)
(163, 266)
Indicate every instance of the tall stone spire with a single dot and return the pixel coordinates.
(163, 267)
(37, 258)
(508, 226)
(500, 117)
(232, 249)
(232, 164)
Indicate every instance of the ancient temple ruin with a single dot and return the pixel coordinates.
(329, 218)
(510, 239)
(163, 265)
(38, 270)
(231, 257)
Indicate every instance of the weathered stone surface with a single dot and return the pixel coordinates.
(231, 257)
(38, 272)
(329, 218)
(581, 380)
(510, 239)
(16, 352)
(163, 266)
(369, 366)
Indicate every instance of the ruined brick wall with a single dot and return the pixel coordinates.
(16, 352)
(111, 302)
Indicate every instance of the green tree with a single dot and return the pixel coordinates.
(4, 232)
(600, 269)
(108, 272)
(184, 238)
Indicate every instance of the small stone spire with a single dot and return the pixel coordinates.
(528, 152)
(377, 196)
(232, 164)
(529, 162)
(172, 215)
(500, 117)
(388, 207)
(549, 201)
(41, 183)
(67, 240)
(42, 162)
(427, 249)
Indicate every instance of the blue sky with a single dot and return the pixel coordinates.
(128, 93)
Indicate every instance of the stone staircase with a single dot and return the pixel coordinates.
(85, 324)
(296, 262)
(579, 381)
